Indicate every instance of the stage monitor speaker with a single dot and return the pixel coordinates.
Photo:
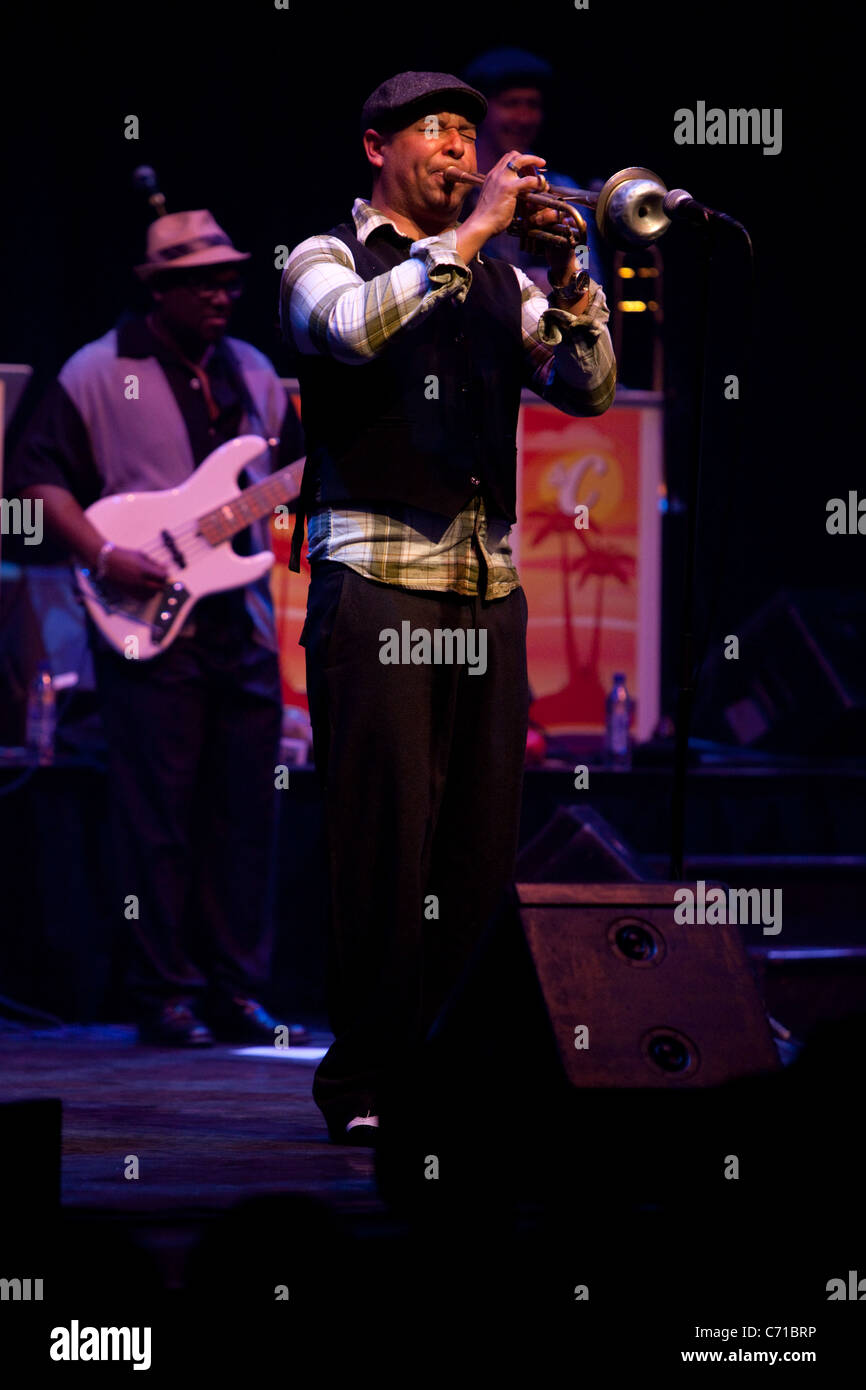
(605, 986)
(578, 844)
(580, 1064)
(798, 684)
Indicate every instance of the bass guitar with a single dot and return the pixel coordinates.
(188, 530)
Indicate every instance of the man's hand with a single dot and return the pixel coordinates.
(135, 572)
(131, 570)
(494, 210)
(561, 258)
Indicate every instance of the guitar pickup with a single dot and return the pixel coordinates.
(174, 596)
(173, 548)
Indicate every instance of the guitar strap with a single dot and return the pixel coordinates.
(197, 368)
(257, 424)
(306, 481)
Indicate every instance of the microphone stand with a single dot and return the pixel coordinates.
(706, 221)
(686, 688)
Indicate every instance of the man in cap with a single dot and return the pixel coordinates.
(517, 86)
(193, 735)
(411, 351)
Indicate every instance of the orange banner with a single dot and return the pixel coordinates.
(587, 545)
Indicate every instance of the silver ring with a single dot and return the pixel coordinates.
(509, 165)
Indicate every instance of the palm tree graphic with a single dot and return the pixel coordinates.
(581, 699)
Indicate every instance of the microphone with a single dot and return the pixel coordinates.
(680, 204)
(144, 179)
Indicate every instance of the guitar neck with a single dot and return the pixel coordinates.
(251, 504)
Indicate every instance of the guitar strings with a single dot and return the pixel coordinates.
(188, 539)
(188, 533)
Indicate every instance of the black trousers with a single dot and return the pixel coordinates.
(193, 741)
(422, 769)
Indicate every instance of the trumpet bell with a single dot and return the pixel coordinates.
(630, 207)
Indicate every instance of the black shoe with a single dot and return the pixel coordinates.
(174, 1025)
(246, 1021)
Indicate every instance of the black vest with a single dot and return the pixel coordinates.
(432, 420)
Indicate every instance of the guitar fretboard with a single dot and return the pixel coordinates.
(251, 504)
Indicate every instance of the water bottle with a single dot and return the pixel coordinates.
(41, 716)
(619, 707)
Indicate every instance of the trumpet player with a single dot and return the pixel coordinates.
(411, 347)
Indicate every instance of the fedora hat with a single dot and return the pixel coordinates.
(181, 240)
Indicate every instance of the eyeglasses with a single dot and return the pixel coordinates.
(207, 288)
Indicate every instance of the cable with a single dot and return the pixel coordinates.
(36, 1014)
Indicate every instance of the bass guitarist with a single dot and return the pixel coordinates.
(193, 736)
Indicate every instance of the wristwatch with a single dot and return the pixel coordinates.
(572, 289)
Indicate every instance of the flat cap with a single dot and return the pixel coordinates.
(382, 108)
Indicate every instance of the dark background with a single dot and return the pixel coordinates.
(253, 112)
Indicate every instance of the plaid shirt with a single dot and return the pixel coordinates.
(326, 307)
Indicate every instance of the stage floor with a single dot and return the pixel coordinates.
(209, 1126)
(225, 1130)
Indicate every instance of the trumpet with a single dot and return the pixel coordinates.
(628, 208)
